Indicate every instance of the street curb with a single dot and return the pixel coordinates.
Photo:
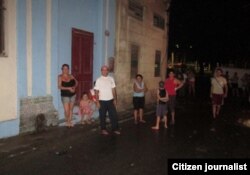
(28, 141)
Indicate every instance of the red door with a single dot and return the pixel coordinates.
(82, 60)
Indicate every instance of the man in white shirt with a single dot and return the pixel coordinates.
(106, 100)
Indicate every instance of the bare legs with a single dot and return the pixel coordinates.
(216, 110)
(140, 111)
(191, 89)
(158, 120)
(68, 112)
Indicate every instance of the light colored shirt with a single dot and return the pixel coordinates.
(105, 85)
(141, 87)
(218, 85)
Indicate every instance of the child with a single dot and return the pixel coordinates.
(92, 93)
(161, 109)
(94, 106)
(85, 110)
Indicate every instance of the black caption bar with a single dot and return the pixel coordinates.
(209, 166)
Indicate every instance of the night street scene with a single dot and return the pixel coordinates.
(124, 87)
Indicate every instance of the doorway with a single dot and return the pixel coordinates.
(82, 60)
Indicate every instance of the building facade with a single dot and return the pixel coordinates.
(141, 42)
(38, 36)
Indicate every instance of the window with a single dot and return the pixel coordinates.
(135, 9)
(157, 63)
(159, 21)
(134, 60)
(2, 22)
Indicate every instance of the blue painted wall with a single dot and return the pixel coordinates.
(21, 49)
(11, 127)
(38, 48)
(88, 15)
(54, 52)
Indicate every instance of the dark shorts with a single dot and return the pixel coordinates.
(171, 102)
(217, 99)
(138, 102)
(161, 110)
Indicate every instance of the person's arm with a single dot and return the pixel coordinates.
(158, 95)
(76, 82)
(59, 84)
(136, 89)
(211, 88)
(164, 99)
(179, 84)
(80, 104)
(73, 88)
(114, 95)
(167, 97)
(97, 98)
(97, 93)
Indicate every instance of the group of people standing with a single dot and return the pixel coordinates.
(166, 99)
(104, 96)
(166, 95)
(221, 84)
(238, 86)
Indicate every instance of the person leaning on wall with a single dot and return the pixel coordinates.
(67, 84)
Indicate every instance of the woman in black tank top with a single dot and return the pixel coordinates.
(67, 84)
(68, 93)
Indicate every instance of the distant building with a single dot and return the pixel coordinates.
(141, 42)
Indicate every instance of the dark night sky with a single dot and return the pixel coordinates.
(217, 29)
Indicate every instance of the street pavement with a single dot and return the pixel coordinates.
(139, 150)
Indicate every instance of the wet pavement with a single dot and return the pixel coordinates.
(138, 150)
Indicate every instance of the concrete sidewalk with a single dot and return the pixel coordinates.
(21, 144)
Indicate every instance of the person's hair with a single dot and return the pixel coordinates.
(161, 84)
(219, 69)
(139, 75)
(105, 66)
(65, 65)
(171, 71)
(85, 93)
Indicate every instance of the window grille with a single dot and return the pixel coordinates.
(159, 21)
(135, 9)
(157, 63)
(134, 60)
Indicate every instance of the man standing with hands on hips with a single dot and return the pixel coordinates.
(106, 101)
